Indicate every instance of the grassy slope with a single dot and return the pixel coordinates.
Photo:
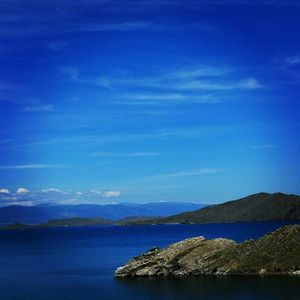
(70, 222)
(257, 207)
(276, 252)
(76, 222)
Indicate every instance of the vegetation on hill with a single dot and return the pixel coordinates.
(70, 222)
(134, 220)
(257, 207)
(74, 222)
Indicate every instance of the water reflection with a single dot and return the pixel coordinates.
(212, 287)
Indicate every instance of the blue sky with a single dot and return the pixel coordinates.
(150, 100)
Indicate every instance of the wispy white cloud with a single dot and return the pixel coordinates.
(156, 96)
(264, 146)
(5, 141)
(166, 98)
(197, 84)
(4, 191)
(292, 60)
(249, 83)
(39, 108)
(201, 71)
(57, 45)
(46, 28)
(241, 84)
(41, 19)
(290, 65)
(104, 82)
(140, 26)
(6, 86)
(33, 166)
(134, 154)
(192, 172)
(106, 137)
(71, 72)
(106, 194)
(251, 2)
(166, 80)
(122, 26)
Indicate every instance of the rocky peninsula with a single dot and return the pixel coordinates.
(277, 252)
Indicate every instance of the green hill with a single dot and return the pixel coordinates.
(70, 222)
(257, 207)
(73, 222)
(134, 220)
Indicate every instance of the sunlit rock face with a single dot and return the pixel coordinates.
(275, 253)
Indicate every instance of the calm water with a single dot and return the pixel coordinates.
(78, 263)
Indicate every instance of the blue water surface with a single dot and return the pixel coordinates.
(78, 263)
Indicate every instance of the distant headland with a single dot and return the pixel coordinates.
(256, 207)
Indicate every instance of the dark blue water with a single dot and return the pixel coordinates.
(78, 263)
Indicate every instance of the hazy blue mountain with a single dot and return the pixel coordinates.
(46, 212)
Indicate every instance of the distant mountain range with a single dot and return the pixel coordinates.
(46, 212)
(257, 207)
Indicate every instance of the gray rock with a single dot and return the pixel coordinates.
(178, 259)
(277, 252)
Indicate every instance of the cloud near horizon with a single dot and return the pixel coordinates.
(39, 108)
(21, 190)
(133, 154)
(22, 196)
(51, 190)
(184, 173)
(106, 194)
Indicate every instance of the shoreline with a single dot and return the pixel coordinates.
(276, 252)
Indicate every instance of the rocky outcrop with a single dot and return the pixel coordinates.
(275, 253)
